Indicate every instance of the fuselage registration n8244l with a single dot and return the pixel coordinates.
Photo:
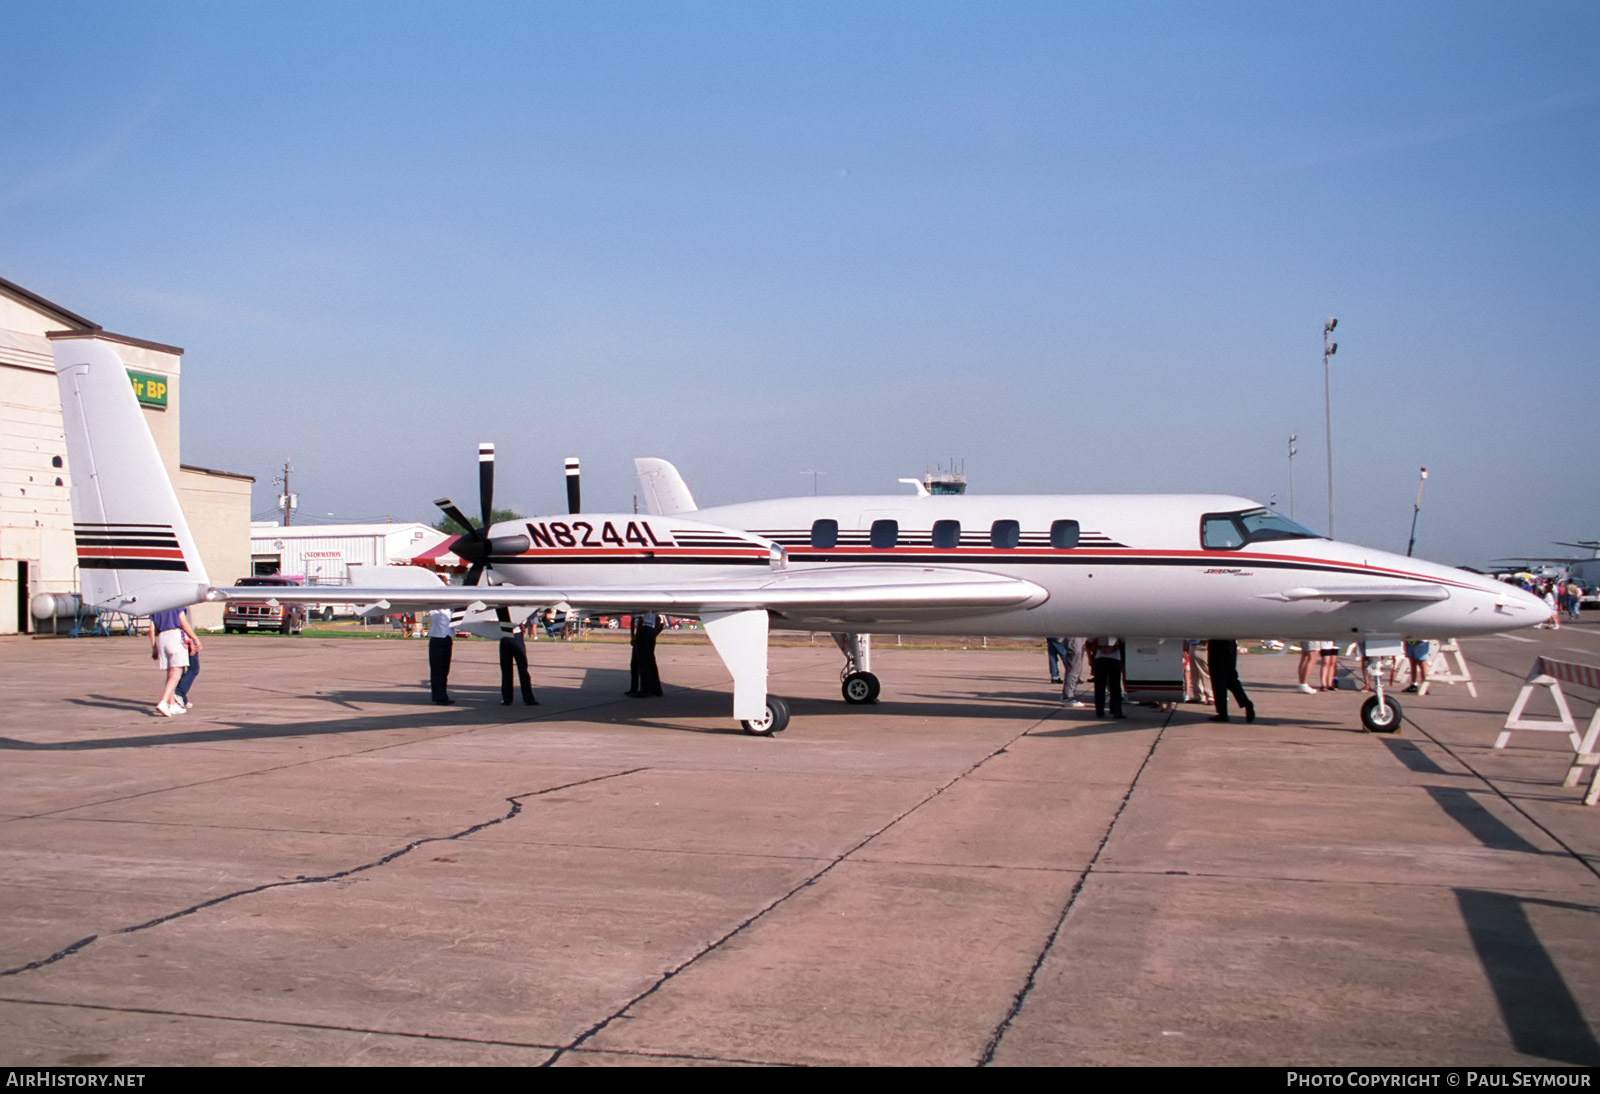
(1140, 566)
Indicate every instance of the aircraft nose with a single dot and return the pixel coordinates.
(1521, 604)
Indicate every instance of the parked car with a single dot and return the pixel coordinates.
(258, 615)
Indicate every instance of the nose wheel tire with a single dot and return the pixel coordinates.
(860, 687)
(775, 720)
(1381, 717)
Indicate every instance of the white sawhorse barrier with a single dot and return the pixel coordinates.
(1547, 672)
(1440, 672)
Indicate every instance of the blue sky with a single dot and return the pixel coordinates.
(1084, 247)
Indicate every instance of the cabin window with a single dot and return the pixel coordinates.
(1218, 532)
(947, 533)
(885, 533)
(1230, 531)
(1063, 534)
(824, 533)
(1005, 534)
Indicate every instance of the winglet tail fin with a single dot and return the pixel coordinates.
(135, 553)
(665, 492)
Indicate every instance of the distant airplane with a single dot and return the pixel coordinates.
(1584, 570)
(1131, 565)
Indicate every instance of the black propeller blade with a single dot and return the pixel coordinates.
(486, 483)
(572, 485)
(473, 547)
(453, 513)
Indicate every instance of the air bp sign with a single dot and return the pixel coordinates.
(149, 389)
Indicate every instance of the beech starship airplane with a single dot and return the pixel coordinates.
(1132, 565)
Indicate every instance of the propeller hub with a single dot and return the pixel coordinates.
(471, 547)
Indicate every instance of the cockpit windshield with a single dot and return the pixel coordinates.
(1231, 531)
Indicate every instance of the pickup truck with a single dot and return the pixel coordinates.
(254, 615)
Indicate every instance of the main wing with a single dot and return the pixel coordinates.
(821, 597)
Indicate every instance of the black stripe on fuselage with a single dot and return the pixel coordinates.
(168, 542)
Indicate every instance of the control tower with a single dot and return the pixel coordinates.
(947, 480)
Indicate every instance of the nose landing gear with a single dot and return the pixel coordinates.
(775, 720)
(1379, 714)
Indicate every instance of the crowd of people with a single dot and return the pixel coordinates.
(1210, 671)
(1563, 596)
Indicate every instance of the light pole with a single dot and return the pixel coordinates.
(1328, 350)
(1293, 452)
(1415, 509)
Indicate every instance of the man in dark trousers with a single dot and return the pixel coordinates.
(514, 650)
(440, 633)
(1222, 656)
(1106, 661)
(646, 679)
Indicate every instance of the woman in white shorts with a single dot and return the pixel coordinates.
(167, 648)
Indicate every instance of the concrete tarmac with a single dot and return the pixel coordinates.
(318, 866)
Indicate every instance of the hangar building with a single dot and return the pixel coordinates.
(324, 553)
(37, 551)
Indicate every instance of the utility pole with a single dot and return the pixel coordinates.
(813, 475)
(1329, 348)
(286, 500)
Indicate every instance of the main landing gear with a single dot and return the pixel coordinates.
(856, 681)
(775, 720)
(860, 687)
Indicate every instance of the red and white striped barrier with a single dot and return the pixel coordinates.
(1550, 673)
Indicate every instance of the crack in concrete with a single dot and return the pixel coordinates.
(993, 1044)
(515, 801)
(739, 928)
(279, 1022)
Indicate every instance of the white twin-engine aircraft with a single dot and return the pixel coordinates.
(1134, 565)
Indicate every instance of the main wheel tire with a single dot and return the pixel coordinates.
(1381, 718)
(860, 687)
(776, 719)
